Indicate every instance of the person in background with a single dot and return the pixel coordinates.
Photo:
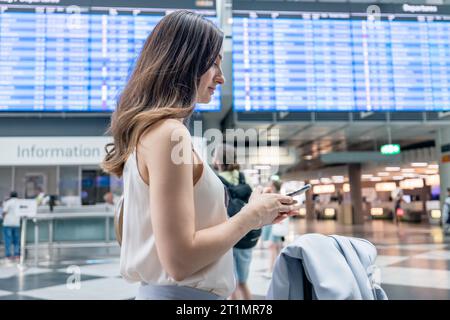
(446, 213)
(41, 198)
(109, 198)
(398, 211)
(11, 227)
(228, 170)
(52, 201)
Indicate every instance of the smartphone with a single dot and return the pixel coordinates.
(299, 191)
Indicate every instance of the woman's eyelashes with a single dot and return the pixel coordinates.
(219, 67)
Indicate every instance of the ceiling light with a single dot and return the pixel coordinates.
(385, 186)
(419, 164)
(326, 180)
(263, 167)
(383, 174)
(328, 188)
(433, 180)
(392, 169)
(338, 179)
(410, 184)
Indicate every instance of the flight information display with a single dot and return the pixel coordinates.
(70, 58)
(328, 58)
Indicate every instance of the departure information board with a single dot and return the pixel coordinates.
(73, 58)
(340, 57)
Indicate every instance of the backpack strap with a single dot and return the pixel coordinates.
(241, 178)
(224, 181)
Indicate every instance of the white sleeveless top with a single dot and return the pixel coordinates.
(138, 256)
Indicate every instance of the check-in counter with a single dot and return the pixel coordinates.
(382, 210)
(301, 212)
(52, 220)
(328, 211)
(433, 209)
(413, 211)
(75, 209)
(67, 227)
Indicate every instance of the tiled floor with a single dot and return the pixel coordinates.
(414, 261)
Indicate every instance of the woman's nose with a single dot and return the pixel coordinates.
(220, 79)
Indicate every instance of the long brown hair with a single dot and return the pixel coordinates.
(179, 50)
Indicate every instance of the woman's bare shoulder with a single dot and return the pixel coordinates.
(164, 134)
(165, 129)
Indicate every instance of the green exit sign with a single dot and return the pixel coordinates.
(390, 149)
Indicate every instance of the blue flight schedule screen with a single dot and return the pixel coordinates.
(339, 62)
(51, 60)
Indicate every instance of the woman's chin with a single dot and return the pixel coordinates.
(204, 99)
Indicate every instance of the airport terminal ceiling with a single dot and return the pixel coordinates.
(311, 140)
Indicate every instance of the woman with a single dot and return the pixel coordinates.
(176, 238)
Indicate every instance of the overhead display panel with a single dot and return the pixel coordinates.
(293, 56)
(66, 56)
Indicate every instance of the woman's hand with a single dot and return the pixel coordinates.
(268, 208)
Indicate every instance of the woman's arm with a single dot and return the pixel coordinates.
(183, 250)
